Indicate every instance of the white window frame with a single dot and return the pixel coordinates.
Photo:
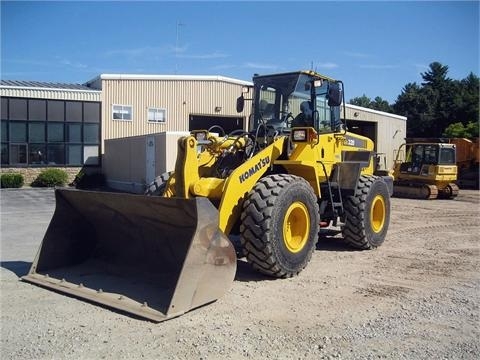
(123, 110)
(157, 110)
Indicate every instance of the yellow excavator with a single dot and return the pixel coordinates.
(272, 187)
(428, 171)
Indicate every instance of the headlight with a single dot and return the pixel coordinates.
(300, 135)
(200, 135)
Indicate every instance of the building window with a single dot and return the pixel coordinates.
(73, 111)
(74, 155)
(56, 110)
(55, 132)
(4, 108)
(17, 109)
(18, 132)
(5, 158)
(90, 155)
(36, 154)
(37, 110)
(4, 131)
(122, 112)
(36, 132)
(42, 132)
(56, 154)
(18, 154)
(157, 115)
(74, 133)
(91, 112)
(91, 134)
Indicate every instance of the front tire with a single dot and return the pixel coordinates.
(367, 213)
(158, 186)
(280, 225)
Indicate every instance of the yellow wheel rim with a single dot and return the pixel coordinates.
(377, 213)
(296, 227)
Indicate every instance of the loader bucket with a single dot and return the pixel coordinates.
(150, 256)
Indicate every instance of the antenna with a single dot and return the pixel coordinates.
(179, 23)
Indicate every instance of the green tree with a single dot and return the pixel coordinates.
(381, 105)
(440, 90)
(377, 104)
(413, 103)
(470, 89)
(458, 130)
(455, 130)
(472, 130)
(438, 103)
(363, 101)
(436, 76)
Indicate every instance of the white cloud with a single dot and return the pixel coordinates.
(213, 55)
(327, 65)
(378, 66)
(223, 67)
(252, 65)
(357, 55)
(421, 67)
(146, 51)
(76, 65)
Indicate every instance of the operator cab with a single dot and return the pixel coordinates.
(298, 99)
(420, 154)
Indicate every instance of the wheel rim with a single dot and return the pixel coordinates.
(377, 213)
(296, 227)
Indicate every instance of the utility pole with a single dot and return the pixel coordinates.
(176, 44)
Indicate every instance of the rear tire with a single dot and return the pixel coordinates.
(280, 225)
(367, 213)
(158, 186)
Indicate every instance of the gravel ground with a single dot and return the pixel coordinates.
(415, 297)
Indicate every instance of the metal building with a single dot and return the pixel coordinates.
(388, 131)
(119, 111)
(146, 104)
(49, 125)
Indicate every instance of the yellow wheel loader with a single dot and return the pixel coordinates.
(428, 171)
(157, 256)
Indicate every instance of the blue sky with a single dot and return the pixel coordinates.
(374, 47)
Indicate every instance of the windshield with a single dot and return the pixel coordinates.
(447, 156)
(285, 101)
(432, 154)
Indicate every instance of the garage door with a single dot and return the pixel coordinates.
(204, 122)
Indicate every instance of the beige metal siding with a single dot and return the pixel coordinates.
(125, 160)
(391, 129)
(166, 151)
(57, 94)
(180, 98)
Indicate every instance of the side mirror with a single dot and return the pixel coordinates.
(240, 103)
(334, 94)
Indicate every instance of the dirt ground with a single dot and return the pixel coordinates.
(415, 297)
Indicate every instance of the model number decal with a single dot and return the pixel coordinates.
(350, 142)
(355, 142)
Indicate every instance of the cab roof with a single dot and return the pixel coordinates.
(311, 73)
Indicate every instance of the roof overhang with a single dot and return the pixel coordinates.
(381, 113)
(170, 78)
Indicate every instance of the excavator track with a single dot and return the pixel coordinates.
(415, 191)
(449, 192)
